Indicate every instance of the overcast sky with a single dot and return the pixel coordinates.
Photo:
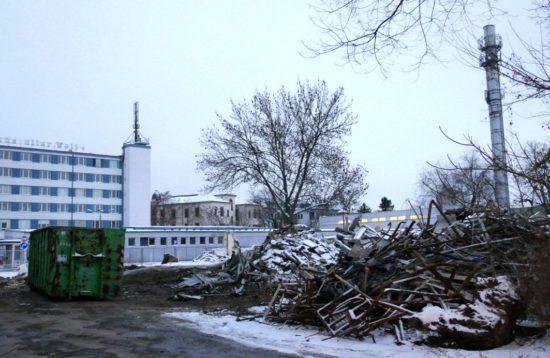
(70, 71)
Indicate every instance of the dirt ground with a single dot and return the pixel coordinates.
(130, 325)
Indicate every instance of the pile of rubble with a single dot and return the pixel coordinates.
(453, 280)
(279, 259)
(283, 255)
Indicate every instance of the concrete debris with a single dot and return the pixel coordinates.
(183, 297)
(386, 280)
(283, 255)
(452, 280)
(213, 256)
(168, 259)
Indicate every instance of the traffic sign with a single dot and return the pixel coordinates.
(24, 245)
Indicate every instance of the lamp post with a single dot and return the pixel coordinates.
(100, 211)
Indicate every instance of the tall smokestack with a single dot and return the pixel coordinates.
(490, 46)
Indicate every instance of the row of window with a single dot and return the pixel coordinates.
(59, 207)
(173, 212)
(59, 159)
(56, 175)
(175, 241)
(25, 224)
(63, 192)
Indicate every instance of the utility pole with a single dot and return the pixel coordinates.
(490, 46)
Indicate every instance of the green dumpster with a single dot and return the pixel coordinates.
(70, 262)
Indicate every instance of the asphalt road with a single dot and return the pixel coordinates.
(33, 325)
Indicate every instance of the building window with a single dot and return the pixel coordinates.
(174, 241)
(25, 190)
(80, 223)
(202, 240)
(192, 241)
(131, 241)
(143, 241)
(163, 241)
(173, 214)
(4, 206)
(5, 154)
(186, 212)
(24, 224)
(211, 240)
(25, 207)
(220, 239)
(182, 240)
(44, 207)
(221, 211)
(197, 211)
(151, 241)
(5, 189)
(43, 223)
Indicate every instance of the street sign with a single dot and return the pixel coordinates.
(24, 245)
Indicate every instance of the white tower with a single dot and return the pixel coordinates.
(136, 171)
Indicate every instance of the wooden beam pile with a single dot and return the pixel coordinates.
(405, 271)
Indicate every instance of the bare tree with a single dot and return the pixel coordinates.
(353, 187)
(464, 183)
(158, 209)
(527, 164)
(287, 143)
(377, 33)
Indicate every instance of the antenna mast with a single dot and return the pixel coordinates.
(137, 137)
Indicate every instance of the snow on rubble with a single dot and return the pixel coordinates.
(451, 284)
(284, 254)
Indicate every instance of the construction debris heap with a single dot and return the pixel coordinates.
(459, 282)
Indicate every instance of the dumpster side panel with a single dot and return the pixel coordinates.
(113, 264)
(49, 261)
(72, 262)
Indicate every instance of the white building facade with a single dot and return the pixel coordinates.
(44, 187)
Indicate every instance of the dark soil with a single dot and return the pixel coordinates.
(130, 325)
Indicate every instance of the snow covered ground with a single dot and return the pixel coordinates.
(8, 274)
(309, 342)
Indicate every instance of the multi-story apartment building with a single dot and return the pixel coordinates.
(45, 184)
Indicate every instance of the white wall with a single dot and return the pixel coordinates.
(136, 185)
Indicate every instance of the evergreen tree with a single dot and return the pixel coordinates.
(364, 209)
(385, 204)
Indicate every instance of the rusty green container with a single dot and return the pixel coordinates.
(69, 262)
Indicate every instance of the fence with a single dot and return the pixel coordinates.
(140, 255)
(11, 257)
